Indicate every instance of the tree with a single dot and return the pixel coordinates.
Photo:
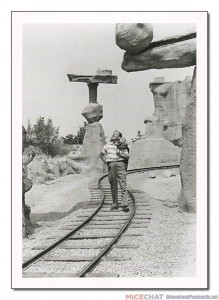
(77, 139)
(69, 139)
(29, 135)
(81, 133)
(42, 134)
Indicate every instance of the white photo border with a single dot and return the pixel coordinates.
(201, 281)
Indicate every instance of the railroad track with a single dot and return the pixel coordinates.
(83, 236)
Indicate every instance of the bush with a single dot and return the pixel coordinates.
(57, 148)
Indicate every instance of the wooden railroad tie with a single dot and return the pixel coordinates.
(103, 236)
(60, 275)
(84, 258)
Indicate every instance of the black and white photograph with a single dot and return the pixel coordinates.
(109, 150)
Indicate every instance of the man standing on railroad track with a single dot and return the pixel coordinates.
(116, 154)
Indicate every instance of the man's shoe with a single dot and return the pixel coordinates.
(113, 207)
(125, 209)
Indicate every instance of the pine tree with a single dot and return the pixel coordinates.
(42, 134)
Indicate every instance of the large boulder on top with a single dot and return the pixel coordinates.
(134, 37)
(93, 112)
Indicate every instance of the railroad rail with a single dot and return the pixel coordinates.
(102, 216)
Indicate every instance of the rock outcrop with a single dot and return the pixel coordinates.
(188, 156)
(175, 52)
(164, 128)
(178, 55)
(170, 100)
(153, 152)
(133, 38)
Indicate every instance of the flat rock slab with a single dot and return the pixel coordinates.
(177, 55)
(93, 78)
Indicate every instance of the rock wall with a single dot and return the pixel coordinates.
(153, 152)
(188, 156)
(170, 100)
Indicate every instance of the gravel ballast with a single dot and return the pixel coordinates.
(166, 246)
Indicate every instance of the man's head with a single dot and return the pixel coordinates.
(116, 136)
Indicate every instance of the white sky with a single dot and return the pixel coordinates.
(50, 51)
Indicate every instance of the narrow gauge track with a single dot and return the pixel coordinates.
(100, 215)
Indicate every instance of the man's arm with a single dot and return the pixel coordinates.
(123, 153)
(102, 155)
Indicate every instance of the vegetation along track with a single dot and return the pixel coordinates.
(86, 238)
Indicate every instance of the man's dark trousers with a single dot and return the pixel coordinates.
(117, 171)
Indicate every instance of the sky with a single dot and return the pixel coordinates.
(51, 51)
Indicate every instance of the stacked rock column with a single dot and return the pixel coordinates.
(94, 138)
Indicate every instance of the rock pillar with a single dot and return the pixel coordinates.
(94, 138)
(92, 92)
(188, 156)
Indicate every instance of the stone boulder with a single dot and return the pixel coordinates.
(38, 170)
(176, 55)
(188, 156)
(134, 37)
(93, 112)
(153, 152)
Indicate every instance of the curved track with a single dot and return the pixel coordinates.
(117, 222)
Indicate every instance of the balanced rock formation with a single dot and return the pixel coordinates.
(172, 52)
(89, 161)
(133, 38)
(175, 52)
